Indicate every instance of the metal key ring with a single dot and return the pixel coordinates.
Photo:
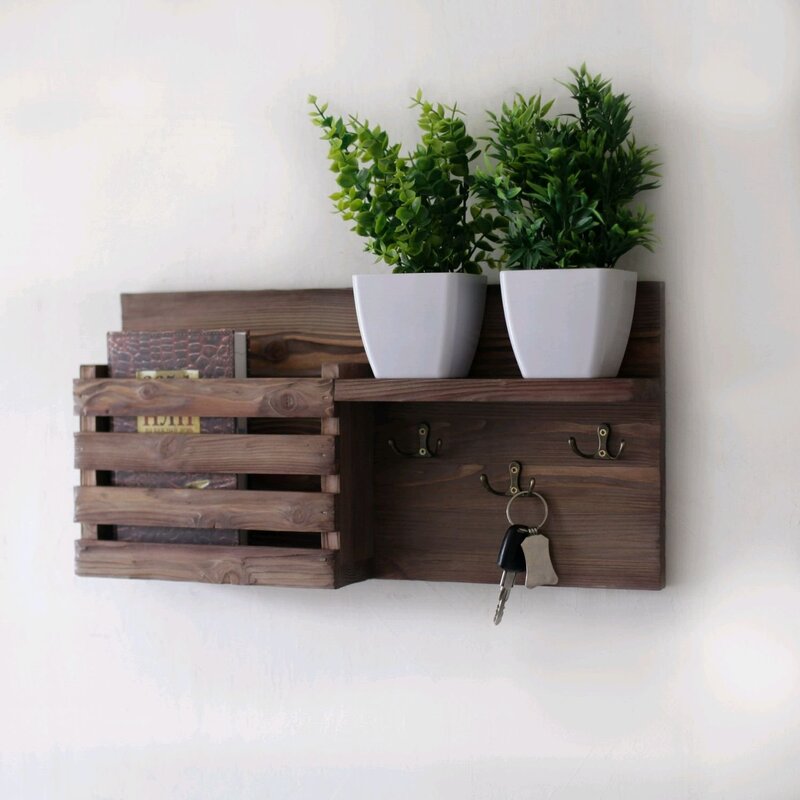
(527, 493)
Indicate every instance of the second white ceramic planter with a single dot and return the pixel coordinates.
(569, 323)
(420, 325)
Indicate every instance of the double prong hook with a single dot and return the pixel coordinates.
(514, 472)
(424, 450)
(603, 432)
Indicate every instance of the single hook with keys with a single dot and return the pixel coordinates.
(514, 472)
(424, 450)
(603, 432)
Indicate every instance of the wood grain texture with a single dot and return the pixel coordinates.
(434, 521)
(474, 390)
(294, 332)
(264, 397)
(157, 452)
(353, 424)
(255, 566)
(206, 508)
(291, 332)
(430, 519)
(644, 356)
(88, 477)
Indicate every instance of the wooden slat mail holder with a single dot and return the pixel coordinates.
(373, 513)
(327, 556)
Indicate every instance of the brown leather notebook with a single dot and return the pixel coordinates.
(163, 355)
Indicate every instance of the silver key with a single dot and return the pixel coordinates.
(511, 560)
(506, 585)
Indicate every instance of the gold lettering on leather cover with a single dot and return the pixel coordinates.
(167, 423)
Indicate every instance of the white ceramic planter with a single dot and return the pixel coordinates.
(569, 323)
(421, 325)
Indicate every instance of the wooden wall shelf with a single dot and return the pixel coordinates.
(330, 502)
(487, 390)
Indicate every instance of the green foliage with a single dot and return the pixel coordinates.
(412, 209)
(562, 186)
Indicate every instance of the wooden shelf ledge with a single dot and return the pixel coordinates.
(503, 390)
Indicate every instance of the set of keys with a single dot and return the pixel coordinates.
(524, 549)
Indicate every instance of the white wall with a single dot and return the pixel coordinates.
(156, 146)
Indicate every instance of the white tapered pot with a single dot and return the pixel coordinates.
(569, 323)
(420, 325)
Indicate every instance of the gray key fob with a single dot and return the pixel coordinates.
(540, 570)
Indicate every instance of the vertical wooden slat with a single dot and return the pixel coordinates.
(331, 483)
(90, 425)
(352, 425)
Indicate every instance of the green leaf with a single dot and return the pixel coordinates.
(410, 209)
(562, 185)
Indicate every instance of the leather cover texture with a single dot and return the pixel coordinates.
(211, 355)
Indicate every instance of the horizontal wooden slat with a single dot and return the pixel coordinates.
(262, 566)
(205, 508)
(475, 390)
(223, 397)
(290, 332)
(206, 452)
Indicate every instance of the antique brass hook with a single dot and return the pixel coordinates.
(424, 450)
(603, 432)
(514, 471)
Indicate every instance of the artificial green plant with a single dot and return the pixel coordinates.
(562, 186)
(412, 209)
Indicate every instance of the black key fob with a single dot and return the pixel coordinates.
(511, 558)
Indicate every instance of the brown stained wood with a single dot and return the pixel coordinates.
(437, 564)
(156, 452)
(254, 566)
(89, 425)
(430, 519)
(354, 508)
(485, 434)
(644, 355)
(353, 484)
(331, 483)
(294, 332)
(291, 332)
(473, 390)
(331, 540)
(207, 508)
(265, 397)
(434, 520)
